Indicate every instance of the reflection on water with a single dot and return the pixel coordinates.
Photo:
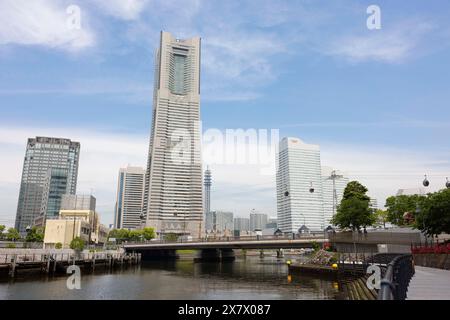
(246, 278)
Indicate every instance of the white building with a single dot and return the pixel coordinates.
(299, 186)
(130, 198)
(258, 221)
(173, 200)
(333, 186)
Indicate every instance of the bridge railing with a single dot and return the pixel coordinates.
(228, 239)
(398, 274)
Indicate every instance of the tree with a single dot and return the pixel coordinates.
(119, 234)
(433, 216)
(58, 245)
(382, 217)
(171, 237)
(77, 244)
(354, 212)
(355, 190)
(397, 206)
(36, 234)
(12, 234)
(2, 229)
(149, 233)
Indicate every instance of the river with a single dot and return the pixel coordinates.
(246, 278)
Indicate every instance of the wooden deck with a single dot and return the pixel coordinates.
(429, 284)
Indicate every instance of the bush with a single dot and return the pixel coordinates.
(77, 244)
(11, 246)
(58, 245)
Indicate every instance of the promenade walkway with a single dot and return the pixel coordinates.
(429, 284)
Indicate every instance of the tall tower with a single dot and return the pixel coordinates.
(130, 198)
(173, 201)
(207, 184)
(299, 186)
(50, 165)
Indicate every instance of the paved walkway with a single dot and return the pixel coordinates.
(429, 284)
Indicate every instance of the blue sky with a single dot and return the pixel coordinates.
(377, 101)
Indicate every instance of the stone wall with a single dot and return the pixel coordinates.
(432, 260)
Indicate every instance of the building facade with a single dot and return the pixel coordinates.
(299, 186)
(333, 186)
(78, 202)
(130, 198)
(219, 222)
(241, 224)
(258, 221)
(173, 201)
(55, 188)
(42, 155)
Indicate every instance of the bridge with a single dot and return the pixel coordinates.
(221, 248)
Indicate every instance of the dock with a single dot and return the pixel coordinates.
(429, 284)
(51, 263)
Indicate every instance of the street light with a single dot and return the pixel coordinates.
(447, 184)
(311, 188)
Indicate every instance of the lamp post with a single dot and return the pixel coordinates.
(447, 184)
(426, 182)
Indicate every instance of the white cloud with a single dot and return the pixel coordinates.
(122, 9)
(42, 22)
(390, 44)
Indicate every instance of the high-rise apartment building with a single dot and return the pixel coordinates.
(219, 221)
(42, 155)
(333, 186)
(258, 221)
(55, 188)
(299, 186)
(173, 200)
(241, 224)
(130, 198)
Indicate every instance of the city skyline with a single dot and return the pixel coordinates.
(352, 103)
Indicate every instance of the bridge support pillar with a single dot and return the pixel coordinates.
(208, 255)
(149, 255)
(227, 255)
(280, 253)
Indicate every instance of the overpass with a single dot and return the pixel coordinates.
(215, 248)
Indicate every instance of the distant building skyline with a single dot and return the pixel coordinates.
(130, 198)
(258, 221)
(43, 154)
(219, 221)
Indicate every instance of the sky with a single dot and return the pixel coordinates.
(375, 100)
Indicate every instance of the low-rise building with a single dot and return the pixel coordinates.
(72, 224)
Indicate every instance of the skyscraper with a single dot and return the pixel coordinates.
(219, 221)
(55, 188)
(130, 198)
(173, 201)
(258, 221)
(333, 186)
(42, 155)
(299, 186)
(207, 184)
(78, 202)
(242, 224)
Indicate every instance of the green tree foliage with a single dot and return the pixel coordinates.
(381, 217)
(433, 218)
(12, 234)
(171, 237)
(2, 229)
(58, 245)
(355, 190)
(36, 234)
(149, 233)
(122, 235)
(77, 244)
(397, 206)
(354, 212)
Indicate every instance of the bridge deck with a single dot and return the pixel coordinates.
(242, 244)
(429, 284)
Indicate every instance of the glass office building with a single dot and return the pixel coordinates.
(43, 154)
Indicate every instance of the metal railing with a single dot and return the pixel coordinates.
(398, 274)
